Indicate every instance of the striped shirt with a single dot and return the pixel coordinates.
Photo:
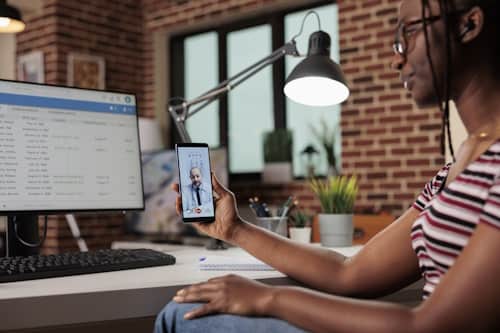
(449, 215)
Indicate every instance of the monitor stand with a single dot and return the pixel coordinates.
(27, 230)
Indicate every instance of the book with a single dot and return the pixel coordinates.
(222, 263)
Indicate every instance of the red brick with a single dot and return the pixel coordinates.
(402, 129)
(366, 164)
(390, 141)
(402, 151)
(404, 174)
(362, 17)
(390, 97)
(376, 131)
(402, 107)
(389, 163)
(417, 139)
(377, 152)
(417, 162)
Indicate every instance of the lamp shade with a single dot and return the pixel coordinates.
(10, 19)
(317, 80)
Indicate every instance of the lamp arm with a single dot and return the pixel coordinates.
(289, 48)
(181, 112)
(235, 81)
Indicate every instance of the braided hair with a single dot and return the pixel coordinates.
(491, 9)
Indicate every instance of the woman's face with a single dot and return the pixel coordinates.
(413, 65)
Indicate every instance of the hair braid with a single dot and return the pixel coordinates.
(443, 101)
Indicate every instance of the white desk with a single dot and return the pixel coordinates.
(69, 302)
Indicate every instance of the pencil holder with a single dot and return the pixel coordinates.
(275, 224)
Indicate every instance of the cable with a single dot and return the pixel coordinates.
(311, 12)
(22, 241)
(448, 77)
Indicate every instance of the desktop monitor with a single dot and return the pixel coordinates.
(67, 149)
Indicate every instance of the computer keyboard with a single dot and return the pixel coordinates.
(75, 263)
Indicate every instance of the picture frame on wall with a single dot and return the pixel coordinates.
(86, 71)
(30, 67)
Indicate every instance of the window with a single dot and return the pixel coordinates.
(239, 119)
(251, 104)
(201, 67)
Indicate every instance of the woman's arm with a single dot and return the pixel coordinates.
(466, 300)
(388, 259)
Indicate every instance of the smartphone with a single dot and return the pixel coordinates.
(195, 182)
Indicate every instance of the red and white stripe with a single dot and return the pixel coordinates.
(449, 215)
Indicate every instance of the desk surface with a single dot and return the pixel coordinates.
(118, 295)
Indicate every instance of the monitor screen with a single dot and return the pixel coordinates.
(68, 149)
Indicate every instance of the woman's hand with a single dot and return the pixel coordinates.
(227, 220)
(228, 294)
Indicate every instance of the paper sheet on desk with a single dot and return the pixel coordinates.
(221, 263)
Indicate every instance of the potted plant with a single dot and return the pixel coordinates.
(336, 196)
(326, 136)
(277, 156)
(300, 227)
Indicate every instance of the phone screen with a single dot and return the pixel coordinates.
(195, 182)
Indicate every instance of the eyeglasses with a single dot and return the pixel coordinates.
(403, 40)
(407, 30)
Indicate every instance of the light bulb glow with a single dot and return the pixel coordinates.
(4, 22)
(8, 25)
(316, 91)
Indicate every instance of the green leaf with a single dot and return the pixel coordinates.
(336, 194)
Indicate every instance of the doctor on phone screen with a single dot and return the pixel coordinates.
(197, 195)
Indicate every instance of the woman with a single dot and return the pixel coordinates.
(450, 236)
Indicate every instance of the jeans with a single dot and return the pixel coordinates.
(171, 320)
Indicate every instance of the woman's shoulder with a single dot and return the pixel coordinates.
(492, 155)
(488, 164)
(495, 148)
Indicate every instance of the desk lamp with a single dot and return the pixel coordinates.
(315, 81)
(10, 19)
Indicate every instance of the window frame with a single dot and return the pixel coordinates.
(276, 19)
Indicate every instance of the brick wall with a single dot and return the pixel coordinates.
(112, 29)
(390, 144)
(41, 35)
(386, 140)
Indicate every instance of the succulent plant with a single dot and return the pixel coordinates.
(300, 219)
(278, 146)
(336, 194)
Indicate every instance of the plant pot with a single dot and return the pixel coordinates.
(336, 229)
(277, 173)
(301, 235)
